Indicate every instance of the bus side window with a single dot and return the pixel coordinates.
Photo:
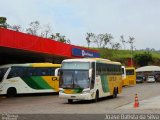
(45, 71)
(52, 71)
(93, 75)
(2, 73)
(108, 70)
(12, 73)
(98, 68)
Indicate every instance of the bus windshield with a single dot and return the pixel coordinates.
(129, 72)
(2, 73)
(75, 79)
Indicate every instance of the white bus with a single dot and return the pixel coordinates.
(89, 79)
(29, 78)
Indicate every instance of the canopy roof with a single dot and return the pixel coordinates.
(148, 68)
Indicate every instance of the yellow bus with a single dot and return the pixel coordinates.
(29, 78)
(89, 79)
(130, 78)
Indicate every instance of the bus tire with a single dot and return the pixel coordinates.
(96, 96)
(70, 101)
(11, 92)
(117, 91)
(114, 93)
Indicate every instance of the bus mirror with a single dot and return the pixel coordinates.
(60, 72)
(90, 73)
(57, 72)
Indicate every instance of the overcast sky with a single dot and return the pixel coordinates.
(74, 18)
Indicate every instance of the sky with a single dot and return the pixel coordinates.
(74, 18)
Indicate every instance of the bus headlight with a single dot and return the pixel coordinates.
(86, 91)
(60, 90)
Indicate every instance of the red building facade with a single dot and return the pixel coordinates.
(28, 47)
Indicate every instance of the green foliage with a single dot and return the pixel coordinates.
(3, 22)
(60, 38)
(143, 59)
(123, 55)
(106, 53)
(100, 40)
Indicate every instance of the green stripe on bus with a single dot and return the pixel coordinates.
(104, 83)
(31, 83)
(36, 82)
(78, 90)
(41, 82)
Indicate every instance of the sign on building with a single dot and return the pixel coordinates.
(84, 53)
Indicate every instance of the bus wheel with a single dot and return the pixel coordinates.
(11, 92)
(115, 93)
(96, 97)
(70, 101)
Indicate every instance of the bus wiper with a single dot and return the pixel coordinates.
(76, 86)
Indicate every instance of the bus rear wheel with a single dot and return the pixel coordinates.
(70, 101)
(11, 92)
(115, 93)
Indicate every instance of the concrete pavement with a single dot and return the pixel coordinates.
(147, 104)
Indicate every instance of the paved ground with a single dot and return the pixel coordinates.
(51, 104)
(147, 104)
(51, 107)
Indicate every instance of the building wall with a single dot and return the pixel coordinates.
(19, 46)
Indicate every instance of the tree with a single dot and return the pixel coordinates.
(16, 28)
(123, 41)
(34, 27)
(131, 42)
(115, 46)
(101, 40)
(143, 59)
(89, 38)
(3, 22)
(60, 38)
(46, 30)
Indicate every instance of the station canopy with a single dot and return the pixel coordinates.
(148, 68)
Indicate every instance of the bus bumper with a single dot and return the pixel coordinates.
(2, 92)
(86, 96)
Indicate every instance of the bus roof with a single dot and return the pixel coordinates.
(130, 68)
(99, 60)
(32, 65)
